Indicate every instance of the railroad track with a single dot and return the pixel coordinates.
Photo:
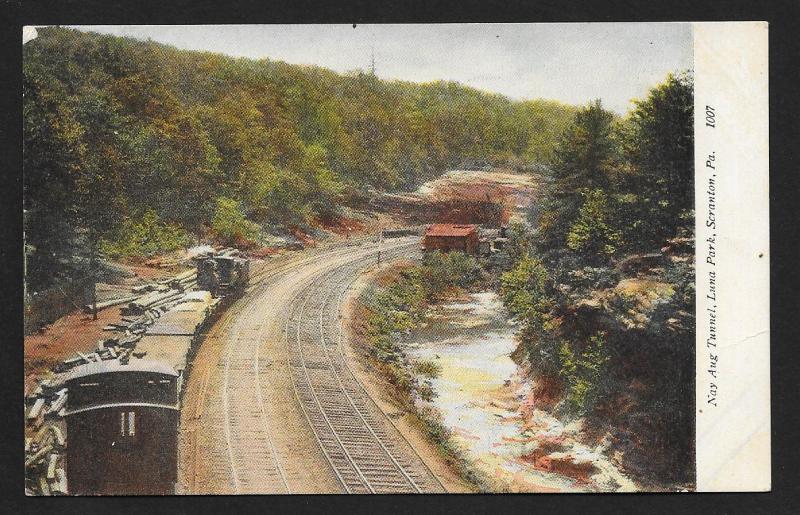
(355, 438)
(254, 463)
(247, 430)
(350, 429)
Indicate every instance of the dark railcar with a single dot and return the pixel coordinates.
(122, 422)
(226, 273)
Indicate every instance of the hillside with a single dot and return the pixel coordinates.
(125, 138)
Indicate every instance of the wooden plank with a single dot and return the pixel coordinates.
(38, 456)
(58, 436)
(59, 486)
(36, 410)
(51, 466)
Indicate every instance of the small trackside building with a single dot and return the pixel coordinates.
(122, 426)
(450, 237)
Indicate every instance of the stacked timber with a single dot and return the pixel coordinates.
(147, 295)
(45, 407)
(151, 301)
(44, 448)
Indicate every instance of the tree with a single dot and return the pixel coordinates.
(230, 223)
(52, 153)
(591, 235)
(585, 158)
(98, 185)
(524, 292)
(659, 143)
(322, 186)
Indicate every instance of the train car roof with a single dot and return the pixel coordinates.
(171, 350)
(178, 322)
(113, 366)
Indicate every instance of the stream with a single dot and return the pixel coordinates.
(484, 399)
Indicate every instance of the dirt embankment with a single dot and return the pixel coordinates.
(464, 196)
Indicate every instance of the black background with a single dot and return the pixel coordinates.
(784, 188)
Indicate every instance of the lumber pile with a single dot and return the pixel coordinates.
(45, 406)
(44, 449)
(151, 295)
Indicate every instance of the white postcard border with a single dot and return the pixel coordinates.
(732, 245)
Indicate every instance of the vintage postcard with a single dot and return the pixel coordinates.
(379, 259)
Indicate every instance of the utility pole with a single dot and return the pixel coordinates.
(93, 269)
(372, 62)
(380, 246)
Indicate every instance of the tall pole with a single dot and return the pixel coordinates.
(93, 272)
(380, 246)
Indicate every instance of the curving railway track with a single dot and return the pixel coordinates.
(276, 408)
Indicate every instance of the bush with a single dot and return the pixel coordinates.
(427, 368)
(592, 235)
(584, 373)
(230, 224)
(441, 272)
(146, 237)
(523, 291)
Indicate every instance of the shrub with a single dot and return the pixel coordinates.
(230, 224)
(584, 372)
(591, 234)
(523, 291)
(146, 236)
(427, 368)
(443, 271)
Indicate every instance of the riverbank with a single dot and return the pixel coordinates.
(469, 410)
(485, 400)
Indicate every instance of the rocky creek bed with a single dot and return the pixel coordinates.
(484, 399)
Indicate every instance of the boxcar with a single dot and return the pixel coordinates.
(122, 422)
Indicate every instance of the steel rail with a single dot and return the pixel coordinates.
(349, 397)
(365, 391)
(330, 428)
(250, 310)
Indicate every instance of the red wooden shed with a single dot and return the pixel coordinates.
(448, 237)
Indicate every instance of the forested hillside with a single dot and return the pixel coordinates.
(127, 140)
(603, 284)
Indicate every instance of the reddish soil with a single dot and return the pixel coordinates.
(566, 466)
(304, 238)
(486, 198)
(342, 225)
(264, 252)
(76, 331)
(60, 340)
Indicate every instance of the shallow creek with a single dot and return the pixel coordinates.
(485, 401)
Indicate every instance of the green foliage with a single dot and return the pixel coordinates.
(617, 188)
(398, 307)
(658, 141)
(622, 184)
(427, 368)
(144, 236)
(230, 224)
(443, 271)
(591, 234)
(114, 127)
(523, 290)
(584, 372)
(585, 158)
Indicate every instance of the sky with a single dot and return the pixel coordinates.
(574, 63)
